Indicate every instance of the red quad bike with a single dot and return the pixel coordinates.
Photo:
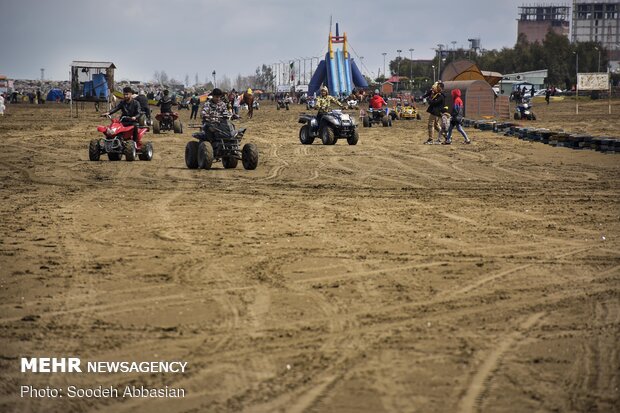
(166, 122)
(118, 141)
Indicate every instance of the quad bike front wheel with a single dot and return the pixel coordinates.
(304, 135)
(355, 136)
(130, 151)
(249, 156)
(191, 154)
(146, 153)
(205, 155)
(366, 122)
(327, 136)
(94, 150)
(156, 126)
(385, 121)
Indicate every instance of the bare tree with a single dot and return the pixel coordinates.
(161, 77)
(224, 83)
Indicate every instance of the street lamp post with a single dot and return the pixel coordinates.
(384, 63)
(440, 48)
(411, 65)
(398, 69)
(576, 82)
(433, 66)
(214, 82)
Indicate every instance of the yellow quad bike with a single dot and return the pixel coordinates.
(408, 112)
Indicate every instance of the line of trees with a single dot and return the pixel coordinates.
(263, 78)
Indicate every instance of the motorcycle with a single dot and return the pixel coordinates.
(118, 141)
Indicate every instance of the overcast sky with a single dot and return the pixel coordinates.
(189, 37)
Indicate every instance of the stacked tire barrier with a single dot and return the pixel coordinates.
(562, 139)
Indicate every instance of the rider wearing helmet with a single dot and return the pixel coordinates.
(130, 109)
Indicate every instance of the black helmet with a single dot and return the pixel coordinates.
(166, 92)
(217, 92)
(127, 89)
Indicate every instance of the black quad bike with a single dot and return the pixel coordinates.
(377, 116)
(330, 127)
(283, 103)
(220, 141)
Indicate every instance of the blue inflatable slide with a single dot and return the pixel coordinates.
(338, 71)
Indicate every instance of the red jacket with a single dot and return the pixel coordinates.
(377, 102)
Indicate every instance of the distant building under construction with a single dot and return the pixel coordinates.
(536, 20)
(598, 21)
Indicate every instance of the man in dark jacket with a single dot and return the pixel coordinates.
(166, 102)
(144, 106)
(130, 109)
(435, 103)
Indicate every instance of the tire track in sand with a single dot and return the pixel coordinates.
(479, 384)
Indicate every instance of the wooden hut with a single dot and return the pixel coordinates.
(91, 82)
(387, 88)
(477, 95)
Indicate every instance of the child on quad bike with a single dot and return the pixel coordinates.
(131, 111)
(445, 124)
(323, 103)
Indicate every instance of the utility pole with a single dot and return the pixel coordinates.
(440, 48)
(398, 69)
(598, 68)
(411, 66)
(384, 64)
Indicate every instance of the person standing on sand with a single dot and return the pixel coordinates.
(547, 94)
(436, 101)
(195, 103)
